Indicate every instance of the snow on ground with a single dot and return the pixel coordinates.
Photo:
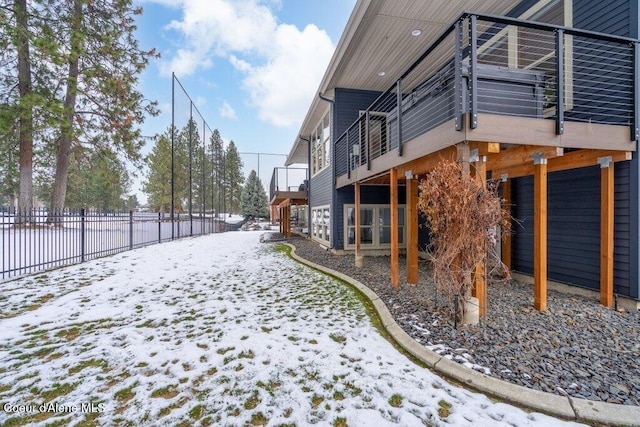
(218, 330)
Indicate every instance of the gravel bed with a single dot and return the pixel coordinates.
(577, 348)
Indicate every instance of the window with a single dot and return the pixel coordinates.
(375, 226)
(321, 144)
(321, 224)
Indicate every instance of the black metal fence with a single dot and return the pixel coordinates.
(75, 236)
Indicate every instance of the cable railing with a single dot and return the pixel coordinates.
(285, 179)
(484, 64)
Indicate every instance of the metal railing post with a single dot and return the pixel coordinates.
(560, 82)
(82, 234)
(399, 102)
(130, 230)
(457, 79)
(367, 135)
(159, 228)
(473, 71)
(635, 133)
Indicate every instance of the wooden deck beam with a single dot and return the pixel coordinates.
(521, 155)
(540, 235)
(606, 232)
(572, 160)
(395, 244)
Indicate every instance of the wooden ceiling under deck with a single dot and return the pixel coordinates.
(509, 146)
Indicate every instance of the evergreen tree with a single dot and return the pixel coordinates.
(233, 179)
(97, 180)
(9, 154)
(217, 154)
(158, 183)
(100, 61)
(254, 197)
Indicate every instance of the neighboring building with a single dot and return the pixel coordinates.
(540, 94)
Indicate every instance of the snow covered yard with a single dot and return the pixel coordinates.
(216, 330)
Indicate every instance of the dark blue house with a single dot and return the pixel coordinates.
(542, 95)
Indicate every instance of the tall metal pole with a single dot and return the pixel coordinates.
(190, 169)
(173, 127)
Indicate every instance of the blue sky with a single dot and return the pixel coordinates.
(252, 67)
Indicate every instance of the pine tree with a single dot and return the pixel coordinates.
(9, 154)
(98, 62)
(233, 179)
(216, 153)
(254, 197)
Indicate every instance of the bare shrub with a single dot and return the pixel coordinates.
(463, 218)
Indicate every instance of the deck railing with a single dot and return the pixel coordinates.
(287, 179)
(499, 65)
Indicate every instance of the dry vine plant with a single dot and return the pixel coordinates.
(462, 219)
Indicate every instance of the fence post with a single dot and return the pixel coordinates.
(159, 228)
(178, 225)
(130, 230)
(82, 234)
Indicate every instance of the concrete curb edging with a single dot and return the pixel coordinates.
(581, 410)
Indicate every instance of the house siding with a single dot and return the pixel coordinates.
(573, 227)
(346, 109)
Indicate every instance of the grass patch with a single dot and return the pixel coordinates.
(57, 391)
(195, 413)
(338, 395)
(252, 401)
(258, 419)
(338, 338)
(265, 329)
(168, 392)
(340, 422)
(225, 350)
(316, 400)
(444, 409)
(395, 401)
(91, 363)
(246, 355)
(125, 394)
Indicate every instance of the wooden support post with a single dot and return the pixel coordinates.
(358, 257)
(393, 186)
(480, 286)
(540, 234)
(412, 229)
(506, 240)
(280, 220)
(606, 231)
(288, 223)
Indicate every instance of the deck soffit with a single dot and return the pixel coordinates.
(378, 38)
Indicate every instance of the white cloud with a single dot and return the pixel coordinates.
(281, 65)
(227, 111)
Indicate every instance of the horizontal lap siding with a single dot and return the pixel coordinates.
(346, 109)
(573, 227)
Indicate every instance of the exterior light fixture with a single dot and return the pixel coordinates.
(416, 32)
(381, 73)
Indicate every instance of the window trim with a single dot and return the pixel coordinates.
(376, 226)
(320, 159)
(312, 226)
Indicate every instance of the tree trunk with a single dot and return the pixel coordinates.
(66, 127)
(25, 200)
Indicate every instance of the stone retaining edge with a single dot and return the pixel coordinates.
(581, 410)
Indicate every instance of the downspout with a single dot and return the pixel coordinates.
(308, 184)
(333, 172)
